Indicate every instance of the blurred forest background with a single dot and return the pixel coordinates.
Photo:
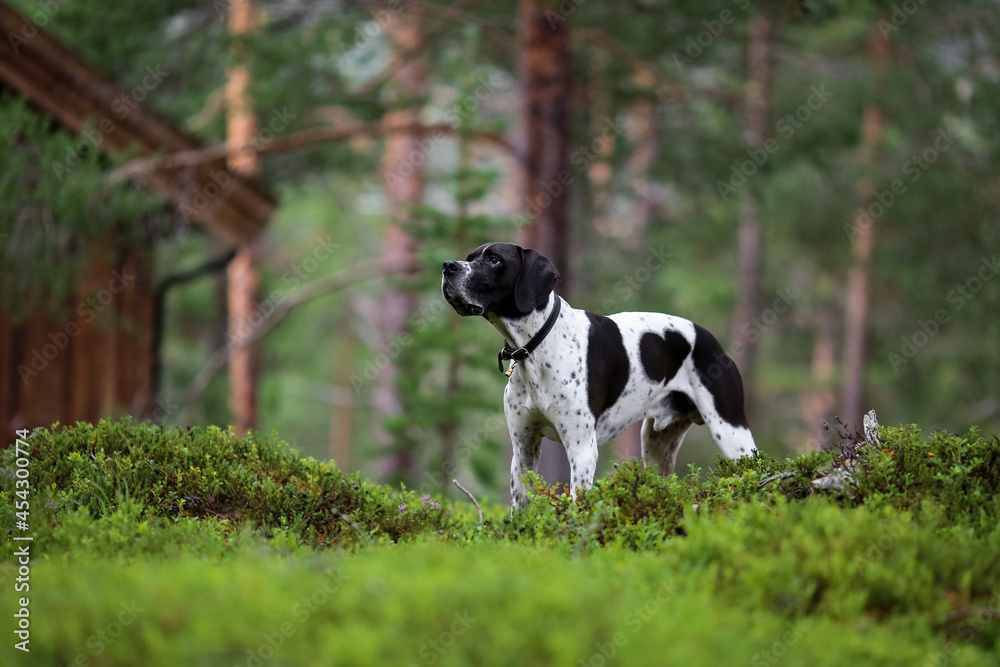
(817, 182)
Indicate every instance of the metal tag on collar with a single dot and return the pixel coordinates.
(513, 362)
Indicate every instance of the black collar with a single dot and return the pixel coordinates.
(521, 353)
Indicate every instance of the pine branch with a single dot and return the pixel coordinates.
(220, 357)
(144, 166)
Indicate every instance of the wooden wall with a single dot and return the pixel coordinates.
(93, 360)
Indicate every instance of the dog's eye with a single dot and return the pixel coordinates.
(494, 261)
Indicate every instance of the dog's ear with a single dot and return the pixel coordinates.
(535, 282)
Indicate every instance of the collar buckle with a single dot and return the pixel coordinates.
(521, 353)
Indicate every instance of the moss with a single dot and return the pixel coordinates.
(635, 508)
(255, 482)
(259, 483)
(751, 561)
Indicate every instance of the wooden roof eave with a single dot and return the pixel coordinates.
(46, 73)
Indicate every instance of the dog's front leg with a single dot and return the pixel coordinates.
(526, 440)
(581, 450)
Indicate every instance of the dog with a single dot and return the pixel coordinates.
(581, 379)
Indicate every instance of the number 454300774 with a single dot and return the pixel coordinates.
(23, 481)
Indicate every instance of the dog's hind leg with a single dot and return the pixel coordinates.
(717, 392)
(734, 441)
(660, 448)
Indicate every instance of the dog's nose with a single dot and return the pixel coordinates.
(451, 266)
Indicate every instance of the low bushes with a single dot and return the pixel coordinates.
(238, 551)
(227, 484)
(754, 587)
(951, 480)
(959, 473)
(435, 604)
(209, 475)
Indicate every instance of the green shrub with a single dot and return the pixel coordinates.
(634, 508)
(809, 558)
(960, 473)
(217, 539)
(208, 474)
(129, 531)
(229, 484)
(435, 604)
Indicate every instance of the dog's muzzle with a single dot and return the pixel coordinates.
(454, 294)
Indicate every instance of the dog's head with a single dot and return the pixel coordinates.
(499, 278)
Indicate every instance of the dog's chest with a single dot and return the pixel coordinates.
(557, 371)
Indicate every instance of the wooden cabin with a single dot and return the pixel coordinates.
(101, 361)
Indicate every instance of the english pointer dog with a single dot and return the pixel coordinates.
(581, 379)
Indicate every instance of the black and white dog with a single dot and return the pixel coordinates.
(582, 379)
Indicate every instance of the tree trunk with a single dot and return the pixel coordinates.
(453, 387)
(600, 172)
(819, 400)
(404, 177)
(241, 126)
(546, 74)
(631, 231)
(749, 234)
(341, 417)
(642, 136)
(862, 241)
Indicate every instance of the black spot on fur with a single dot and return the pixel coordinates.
(662, 356)
(607, 364)
(720, 376)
